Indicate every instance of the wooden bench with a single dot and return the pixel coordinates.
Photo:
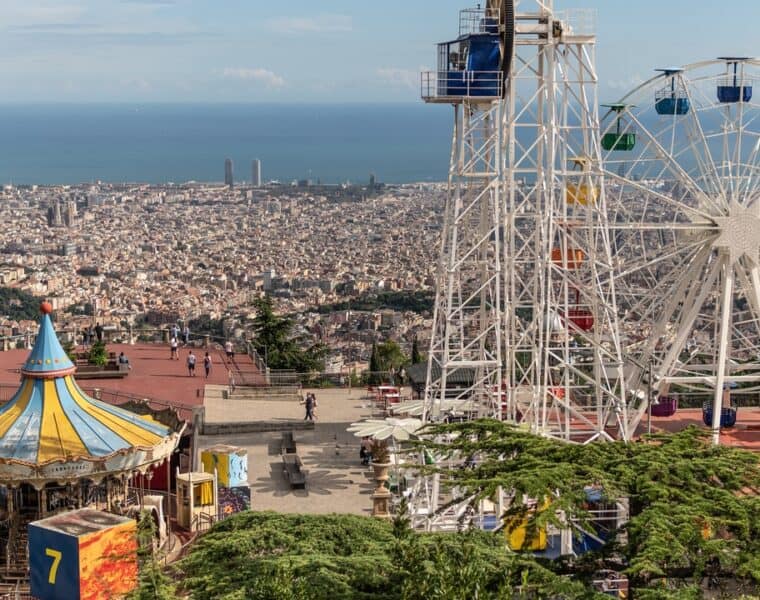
(287, 444)
(292, 468)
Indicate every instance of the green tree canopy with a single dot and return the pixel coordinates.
(18, 305)
(693, 506)
(274, 556)
(274, 339)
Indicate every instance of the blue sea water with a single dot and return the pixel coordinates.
(158, 143)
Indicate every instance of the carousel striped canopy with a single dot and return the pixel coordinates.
(51, 429)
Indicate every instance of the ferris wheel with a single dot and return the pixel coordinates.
(682, 180)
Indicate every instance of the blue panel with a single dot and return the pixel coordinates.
(733, 93)
(238, 472)
(44, 544)
(553, 548)
(484, 53)
(672, 106)
(99, 439)
(22, 440)
(727, 416)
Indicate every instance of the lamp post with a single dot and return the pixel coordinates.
(650, 398)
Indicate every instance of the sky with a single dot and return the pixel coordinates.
(302, 51)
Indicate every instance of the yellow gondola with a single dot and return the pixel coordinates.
(581, 193)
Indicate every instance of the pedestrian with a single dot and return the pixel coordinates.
(310, 404)
(90, 334)
(123, 360)
(175, 331)
(231, 381)
(191, 364)
(99, 332)
(186, 335)
(365, 451)
(85, 338)
(229, 350)
(207, 364)
(174, 345)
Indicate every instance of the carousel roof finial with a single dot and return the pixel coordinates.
(47, 359)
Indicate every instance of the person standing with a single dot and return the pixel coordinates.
(186, 335)
(207, 364)
(99, 331)
(229, 350)
(123, 360)
(175, 331)
(174, 345)
(191, 364)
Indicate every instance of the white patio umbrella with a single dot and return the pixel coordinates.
(416, 407)
(382, 429)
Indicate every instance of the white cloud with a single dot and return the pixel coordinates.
(316, 24)
(18, 13)
(405, 78)
(265, 76)
(625, 85)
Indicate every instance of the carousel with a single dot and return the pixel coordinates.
(62, 450)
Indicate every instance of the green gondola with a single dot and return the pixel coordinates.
(623, 139)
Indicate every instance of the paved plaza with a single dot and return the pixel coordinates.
(336, 482)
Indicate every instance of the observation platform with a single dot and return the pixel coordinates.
(746, 433)
(153, 375)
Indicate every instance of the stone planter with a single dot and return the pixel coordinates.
(381, 471)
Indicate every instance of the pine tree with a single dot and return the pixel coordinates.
(416, 356)
(374, 367)
(274, 339)
(692, 510)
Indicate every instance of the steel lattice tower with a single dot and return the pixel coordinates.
(525, 323)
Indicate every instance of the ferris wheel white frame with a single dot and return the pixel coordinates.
(684, 207)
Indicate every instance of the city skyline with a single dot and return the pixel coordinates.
(176, 51)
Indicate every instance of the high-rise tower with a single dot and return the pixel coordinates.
(256, 172)
(228, 179)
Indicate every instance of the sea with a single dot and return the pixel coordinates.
(48, 144)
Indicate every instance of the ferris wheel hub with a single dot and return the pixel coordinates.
(739, 232)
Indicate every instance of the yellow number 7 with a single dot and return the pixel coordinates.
(56, 556)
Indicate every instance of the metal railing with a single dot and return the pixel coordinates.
(151, 336)
(452, 85)
(577, 21)
(479, 20)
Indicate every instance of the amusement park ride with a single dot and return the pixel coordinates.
(590, 268)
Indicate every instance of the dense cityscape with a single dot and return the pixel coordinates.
(158, 255)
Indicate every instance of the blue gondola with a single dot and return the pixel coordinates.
(470, 66)
(734, 87)
(671, 99)
(727, 415)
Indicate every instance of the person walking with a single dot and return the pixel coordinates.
(229, 350)
(174, 345)
(191, 364)
(207, 364)
(310, 403)
(230, 381)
